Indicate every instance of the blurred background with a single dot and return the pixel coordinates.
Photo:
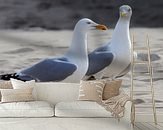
(63, 14)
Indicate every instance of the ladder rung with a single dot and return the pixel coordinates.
(136, 94)
(143, 91)
(136, 75)
(144, 110)
(142, 73)
(140, 62)
(144, 105)
(141, 49)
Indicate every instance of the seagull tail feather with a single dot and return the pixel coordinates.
(8, 76)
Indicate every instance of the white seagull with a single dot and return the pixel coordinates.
(71, 67)
(113, 59)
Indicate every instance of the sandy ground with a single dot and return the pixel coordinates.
(19, 49)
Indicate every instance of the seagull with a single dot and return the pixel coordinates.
(71, 67)
(113, 60)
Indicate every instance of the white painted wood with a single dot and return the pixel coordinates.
(63, 124)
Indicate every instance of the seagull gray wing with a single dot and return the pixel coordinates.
(99, 59)
(50, 70)
(102, 48)
(125, 71)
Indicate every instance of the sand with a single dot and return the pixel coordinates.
(21, 48)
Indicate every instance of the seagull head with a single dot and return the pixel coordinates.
(86, 24)
(125, 11)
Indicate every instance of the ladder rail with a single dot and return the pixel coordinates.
(151, 80)
(132, 69)
(132, 83)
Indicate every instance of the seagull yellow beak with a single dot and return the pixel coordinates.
(123, 14)
(101, 27)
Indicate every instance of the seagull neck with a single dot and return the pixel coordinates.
(78, 46)
(121, 33)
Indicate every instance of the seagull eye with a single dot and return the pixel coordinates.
(88, 22)
(129, 9)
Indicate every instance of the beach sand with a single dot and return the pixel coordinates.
(21, 48)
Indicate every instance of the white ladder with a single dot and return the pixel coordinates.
(149, 73)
